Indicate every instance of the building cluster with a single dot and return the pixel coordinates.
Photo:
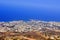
(51, 30)
(24, 26)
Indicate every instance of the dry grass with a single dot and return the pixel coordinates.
(22, 36)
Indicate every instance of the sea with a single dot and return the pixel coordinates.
(15, 12)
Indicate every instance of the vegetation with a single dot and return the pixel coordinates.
(27, 36)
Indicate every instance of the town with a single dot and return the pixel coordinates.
(30, 30)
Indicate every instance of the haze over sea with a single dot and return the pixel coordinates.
(47, 10)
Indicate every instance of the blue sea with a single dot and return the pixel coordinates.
(46, 10)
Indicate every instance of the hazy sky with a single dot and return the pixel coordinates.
(30, 9)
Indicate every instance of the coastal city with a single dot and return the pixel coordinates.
(29, 19)
(30, 30)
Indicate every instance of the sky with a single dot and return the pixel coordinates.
(47, 10)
